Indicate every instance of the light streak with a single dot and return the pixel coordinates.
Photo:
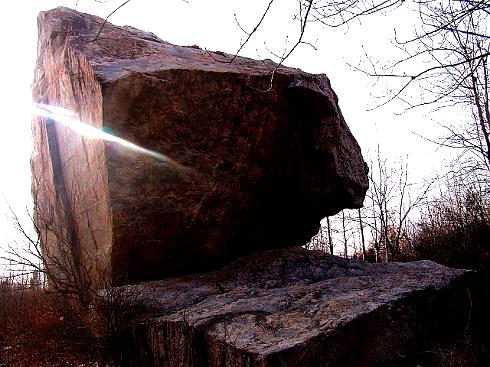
(68, 118)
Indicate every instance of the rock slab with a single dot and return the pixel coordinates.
(239, 167)
(292, 307)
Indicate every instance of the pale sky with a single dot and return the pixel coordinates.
(210, 24)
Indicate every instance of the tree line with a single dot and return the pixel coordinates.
(445, 219)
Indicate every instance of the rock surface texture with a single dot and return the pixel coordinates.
(292, 307)
(245, 168)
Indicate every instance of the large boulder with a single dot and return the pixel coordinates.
(236, 163)
(293, 307)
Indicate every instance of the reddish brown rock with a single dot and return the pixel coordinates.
(293, 307)
(246, 169)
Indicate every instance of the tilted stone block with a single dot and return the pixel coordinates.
(239, 167)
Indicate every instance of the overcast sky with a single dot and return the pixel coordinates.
(211, 24)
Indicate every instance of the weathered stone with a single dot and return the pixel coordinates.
(292, 307)
(247, 169)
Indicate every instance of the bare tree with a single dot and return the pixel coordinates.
(361, 230)
(444, 63)
(463, 39)
(393, 198)
(323, 239)
(344, 233)
(52, 253)
(60, 268)
(329, 234)
(454, 226)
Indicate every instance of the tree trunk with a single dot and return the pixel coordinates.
(361, 227)
(329, 234)
(345, 236)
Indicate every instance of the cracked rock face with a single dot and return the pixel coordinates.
(244, 168)
(292, 307)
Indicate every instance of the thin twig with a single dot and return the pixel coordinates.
(105, 20)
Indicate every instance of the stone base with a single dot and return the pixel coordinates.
(293, 307)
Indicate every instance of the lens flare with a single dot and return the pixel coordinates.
(68, 118)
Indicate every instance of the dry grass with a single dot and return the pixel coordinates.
(36, 329)
(40, 328)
